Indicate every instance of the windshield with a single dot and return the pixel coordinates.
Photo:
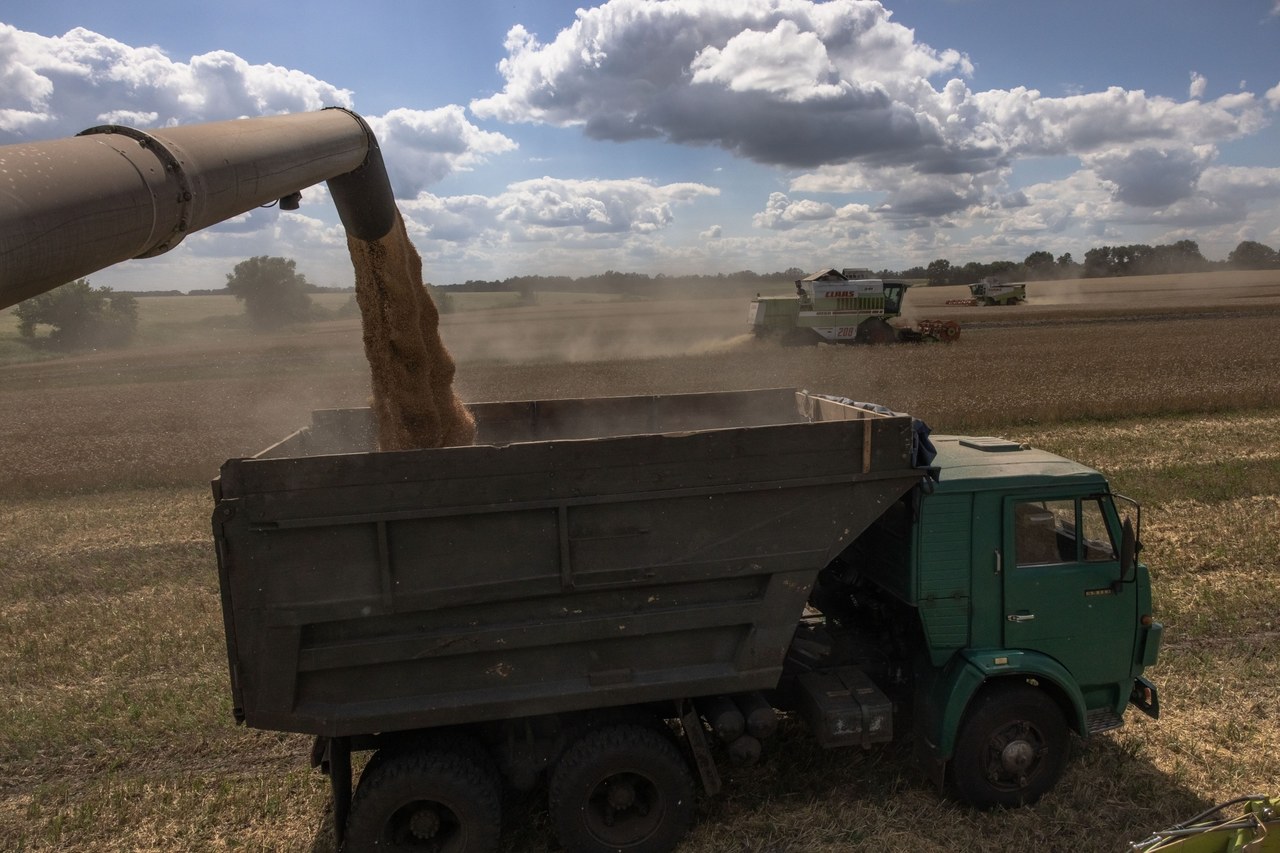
(893, 291)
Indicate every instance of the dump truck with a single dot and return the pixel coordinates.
(610, 598)
(847, 306)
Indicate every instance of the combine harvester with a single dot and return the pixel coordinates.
(1256, 829)
(842, 307)
(989, 291)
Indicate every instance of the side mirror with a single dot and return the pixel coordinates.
(1128, 552)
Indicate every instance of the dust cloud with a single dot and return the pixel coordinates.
(570, 330)
(1062, 292)
(412, 372)
(720, 345)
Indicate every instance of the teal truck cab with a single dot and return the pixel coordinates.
(1019, 610)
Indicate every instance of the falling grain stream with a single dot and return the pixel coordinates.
(412, 372)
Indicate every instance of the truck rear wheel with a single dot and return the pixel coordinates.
(440, 800)
(1012, 747)
(622, 788)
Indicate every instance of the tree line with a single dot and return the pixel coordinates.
(275, 294)
(1184, 256)
(1104, 261)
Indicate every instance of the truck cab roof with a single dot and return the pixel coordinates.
(970, 463)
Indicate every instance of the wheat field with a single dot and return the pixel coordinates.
(115, 723)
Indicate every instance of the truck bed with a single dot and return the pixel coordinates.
(583, 553)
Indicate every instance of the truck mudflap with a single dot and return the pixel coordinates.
(1145, 697)
(1151, 640)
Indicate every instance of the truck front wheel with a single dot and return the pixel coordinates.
(1011, 748)
(424, 799)
(624, 787)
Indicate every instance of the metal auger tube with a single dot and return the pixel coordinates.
(70, 207)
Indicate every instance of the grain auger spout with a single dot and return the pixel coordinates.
(70, 207)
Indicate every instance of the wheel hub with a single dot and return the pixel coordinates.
(620, 808)
(425, 823)
(1017, 757)
(622, 795)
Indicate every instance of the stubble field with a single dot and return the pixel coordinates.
(115, 723)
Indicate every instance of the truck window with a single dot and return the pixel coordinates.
(1062, 531)
(1036, 531)
(1095, 535)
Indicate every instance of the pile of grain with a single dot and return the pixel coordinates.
(413, 396)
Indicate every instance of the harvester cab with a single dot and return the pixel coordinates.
(842, 306)
(894, 291)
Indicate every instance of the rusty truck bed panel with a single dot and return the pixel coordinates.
(589, 553)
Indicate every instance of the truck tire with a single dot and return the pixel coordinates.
(443, 800)
(1011, 748)
(621, 788)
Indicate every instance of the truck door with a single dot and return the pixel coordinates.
(1061, 561)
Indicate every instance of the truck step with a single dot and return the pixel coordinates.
(844, 707)
(1103, 720)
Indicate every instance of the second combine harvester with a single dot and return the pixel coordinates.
(846, 306)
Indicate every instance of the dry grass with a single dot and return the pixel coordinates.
(115, 726)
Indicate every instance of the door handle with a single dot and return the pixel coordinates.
(1021, 617)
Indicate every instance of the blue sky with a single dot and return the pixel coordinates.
(701, 135)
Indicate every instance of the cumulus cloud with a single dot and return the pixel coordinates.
(782, 213)
(841, 90)
(569, 227)
(784, 62)
(1198, 86)
(1149, 176)
(554, 208)
(57, 86)
(789, 82)
(1273, 94)
(421, 147)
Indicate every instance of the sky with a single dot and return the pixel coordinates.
(698, 136)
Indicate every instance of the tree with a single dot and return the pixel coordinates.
(274, 293)
(939, 271)
(1039, 264)
(81, 315)
(1251, 255)
(1182, 256)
